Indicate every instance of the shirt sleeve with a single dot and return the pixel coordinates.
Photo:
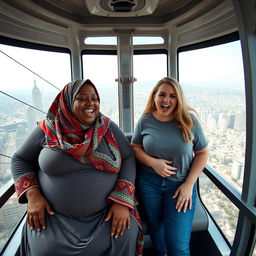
(137, 136)
(124, 190)
(199, 140)
(24, 164)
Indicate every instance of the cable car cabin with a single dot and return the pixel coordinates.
(125, 47)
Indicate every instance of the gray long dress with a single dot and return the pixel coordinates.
(78, 195)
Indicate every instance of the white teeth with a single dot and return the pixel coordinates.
(89, 111)
(166, 106)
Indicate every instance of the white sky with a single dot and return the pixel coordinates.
(54, 67)
(218, 64)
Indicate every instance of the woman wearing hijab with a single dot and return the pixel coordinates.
(76, 172)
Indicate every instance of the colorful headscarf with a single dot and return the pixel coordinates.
(63, 130)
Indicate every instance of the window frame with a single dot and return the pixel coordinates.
(247, 210)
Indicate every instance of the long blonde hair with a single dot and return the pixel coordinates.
(181, 112)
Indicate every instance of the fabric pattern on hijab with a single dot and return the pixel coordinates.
(63, 131)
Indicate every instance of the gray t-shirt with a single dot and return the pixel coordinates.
(164, 140)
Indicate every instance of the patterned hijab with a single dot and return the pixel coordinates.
(63, 131)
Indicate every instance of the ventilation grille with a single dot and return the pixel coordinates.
(132, 5)
(121, 8)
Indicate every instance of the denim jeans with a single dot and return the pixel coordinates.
(170, 230)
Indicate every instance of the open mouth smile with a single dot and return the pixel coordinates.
(165, 106)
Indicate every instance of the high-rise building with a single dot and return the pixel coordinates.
(21, 134)
(237, 171)
(223, 125)
(211, 123)
(222, 122)
(36, 97)
(231, 121)
(37, 102)
(31, 119)
(239, 123)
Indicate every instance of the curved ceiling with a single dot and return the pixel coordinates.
(77, 11)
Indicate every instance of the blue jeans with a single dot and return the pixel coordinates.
(170, 230)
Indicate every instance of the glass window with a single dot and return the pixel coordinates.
(102, 71)
(30, 80)
(145, 40)
(220, 207)
(213, 81)
(53, 67)
(148, 69)
(16, 123)
(112, 40)
(103, 40)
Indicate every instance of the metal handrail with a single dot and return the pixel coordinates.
(231, 193)
(6, 192)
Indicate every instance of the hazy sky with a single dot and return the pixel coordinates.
(209, 66)
(54, 67)
(220, 64)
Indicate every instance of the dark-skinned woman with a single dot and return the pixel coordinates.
(76, 172)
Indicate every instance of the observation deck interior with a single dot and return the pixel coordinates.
(226, 217)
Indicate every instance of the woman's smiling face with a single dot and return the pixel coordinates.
(86, 105)
(165, 101)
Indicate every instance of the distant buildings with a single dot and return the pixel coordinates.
(10, 215)
(239, 123)
(12, 126)
(223, 121)
(237, 171)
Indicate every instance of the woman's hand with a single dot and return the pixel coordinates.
(163, 168)
(37, 205)
(184, 197)
(120, 219)
(184, 191)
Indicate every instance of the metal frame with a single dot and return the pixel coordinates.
(246, 19)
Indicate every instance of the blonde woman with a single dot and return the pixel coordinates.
(171, 148)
